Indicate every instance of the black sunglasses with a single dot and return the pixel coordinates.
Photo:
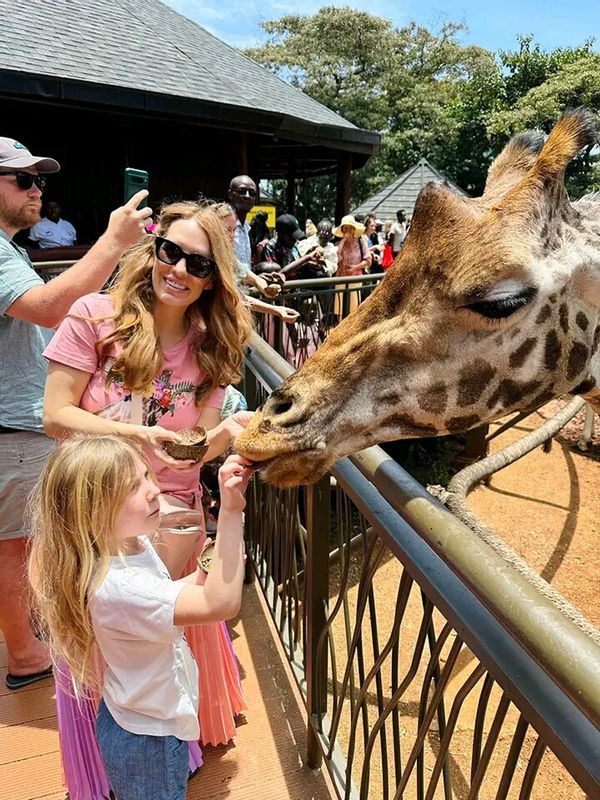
(248, 192)
(25, 180)
(196, 264)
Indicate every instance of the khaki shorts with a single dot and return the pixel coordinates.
(22, 458)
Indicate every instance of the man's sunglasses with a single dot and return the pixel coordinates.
(196, 264)
(25, 180)
(248, 192)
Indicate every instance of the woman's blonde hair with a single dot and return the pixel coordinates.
(219, 311)
(73, 510)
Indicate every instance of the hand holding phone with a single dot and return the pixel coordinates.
(135, 181)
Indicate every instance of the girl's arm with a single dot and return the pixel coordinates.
(63, 416)
(221, 596)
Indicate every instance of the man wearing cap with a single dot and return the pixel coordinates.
(29, 309)
(283, 249)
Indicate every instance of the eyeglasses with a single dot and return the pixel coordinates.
(25, 180)
(248, 192)
(195, 263)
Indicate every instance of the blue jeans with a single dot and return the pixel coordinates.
(142, 767)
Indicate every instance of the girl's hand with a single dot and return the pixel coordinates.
(286, 314)
(152, 439)
(233, 481)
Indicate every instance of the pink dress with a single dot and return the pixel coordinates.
(169, 403)
(350, 254)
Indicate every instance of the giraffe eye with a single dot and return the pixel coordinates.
(503, 306)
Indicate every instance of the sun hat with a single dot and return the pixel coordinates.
(14, 155)
(359, 228)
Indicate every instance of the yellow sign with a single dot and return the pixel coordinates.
(271, 214)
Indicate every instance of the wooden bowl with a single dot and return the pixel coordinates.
(193, 445)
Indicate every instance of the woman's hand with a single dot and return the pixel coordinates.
(221, 437)
(152, 439)
(237, 423)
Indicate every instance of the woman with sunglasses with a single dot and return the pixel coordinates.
(145, 360)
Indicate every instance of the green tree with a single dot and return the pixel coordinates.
(539, 86)
(429, 95)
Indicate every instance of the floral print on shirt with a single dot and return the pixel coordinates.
(162, 397)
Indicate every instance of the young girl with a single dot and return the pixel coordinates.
(143, 361)
(97, 579)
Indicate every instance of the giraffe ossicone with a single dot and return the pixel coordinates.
(492, 306)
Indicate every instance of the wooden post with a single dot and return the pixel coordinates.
(290, 195)
(242, 153)
(342, 200)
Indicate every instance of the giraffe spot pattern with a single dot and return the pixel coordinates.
(543, 398)
(585, 386)
(511, 393)
(473, 381)
(434, 399)
(544, 314)
(582, 321)
(578, 357)
(390, 398)
(518, 358)
(455, 424)
(410, 424)
(563, 317)
(552, 350)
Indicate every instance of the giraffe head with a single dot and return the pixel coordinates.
(492, 306)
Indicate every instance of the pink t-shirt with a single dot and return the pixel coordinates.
(169, 402)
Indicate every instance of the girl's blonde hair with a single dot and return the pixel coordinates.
(219, 312)
(73, 510)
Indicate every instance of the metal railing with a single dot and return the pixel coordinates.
(431, 665)
(321, 303)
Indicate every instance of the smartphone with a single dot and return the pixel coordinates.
(135, 181)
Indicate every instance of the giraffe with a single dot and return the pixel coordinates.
(492, 306)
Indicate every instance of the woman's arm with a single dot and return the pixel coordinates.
(63, 416)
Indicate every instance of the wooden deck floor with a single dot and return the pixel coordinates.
(265, 762)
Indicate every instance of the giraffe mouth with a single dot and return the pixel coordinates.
(291, 469)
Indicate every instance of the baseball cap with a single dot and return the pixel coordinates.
(14, 155)
(287, 223)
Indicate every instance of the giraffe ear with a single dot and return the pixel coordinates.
(513, 163)
(575, 130)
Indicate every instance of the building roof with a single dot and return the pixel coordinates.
(145, 55)
(403, 192)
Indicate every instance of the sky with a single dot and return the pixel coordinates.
(493, 25)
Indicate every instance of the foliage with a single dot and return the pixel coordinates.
(429, 95)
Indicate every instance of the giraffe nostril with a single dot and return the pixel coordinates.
(281, 407)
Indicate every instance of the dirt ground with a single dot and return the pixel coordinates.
(545, 507)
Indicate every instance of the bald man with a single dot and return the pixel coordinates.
(242, 195)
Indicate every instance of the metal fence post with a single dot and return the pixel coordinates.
(316, 595)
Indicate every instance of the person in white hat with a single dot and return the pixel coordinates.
(29, 310)
(354, 257)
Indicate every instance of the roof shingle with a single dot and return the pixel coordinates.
(144, 46)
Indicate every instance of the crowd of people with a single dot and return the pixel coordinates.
(120, 606)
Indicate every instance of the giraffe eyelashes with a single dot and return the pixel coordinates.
(503, 306)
